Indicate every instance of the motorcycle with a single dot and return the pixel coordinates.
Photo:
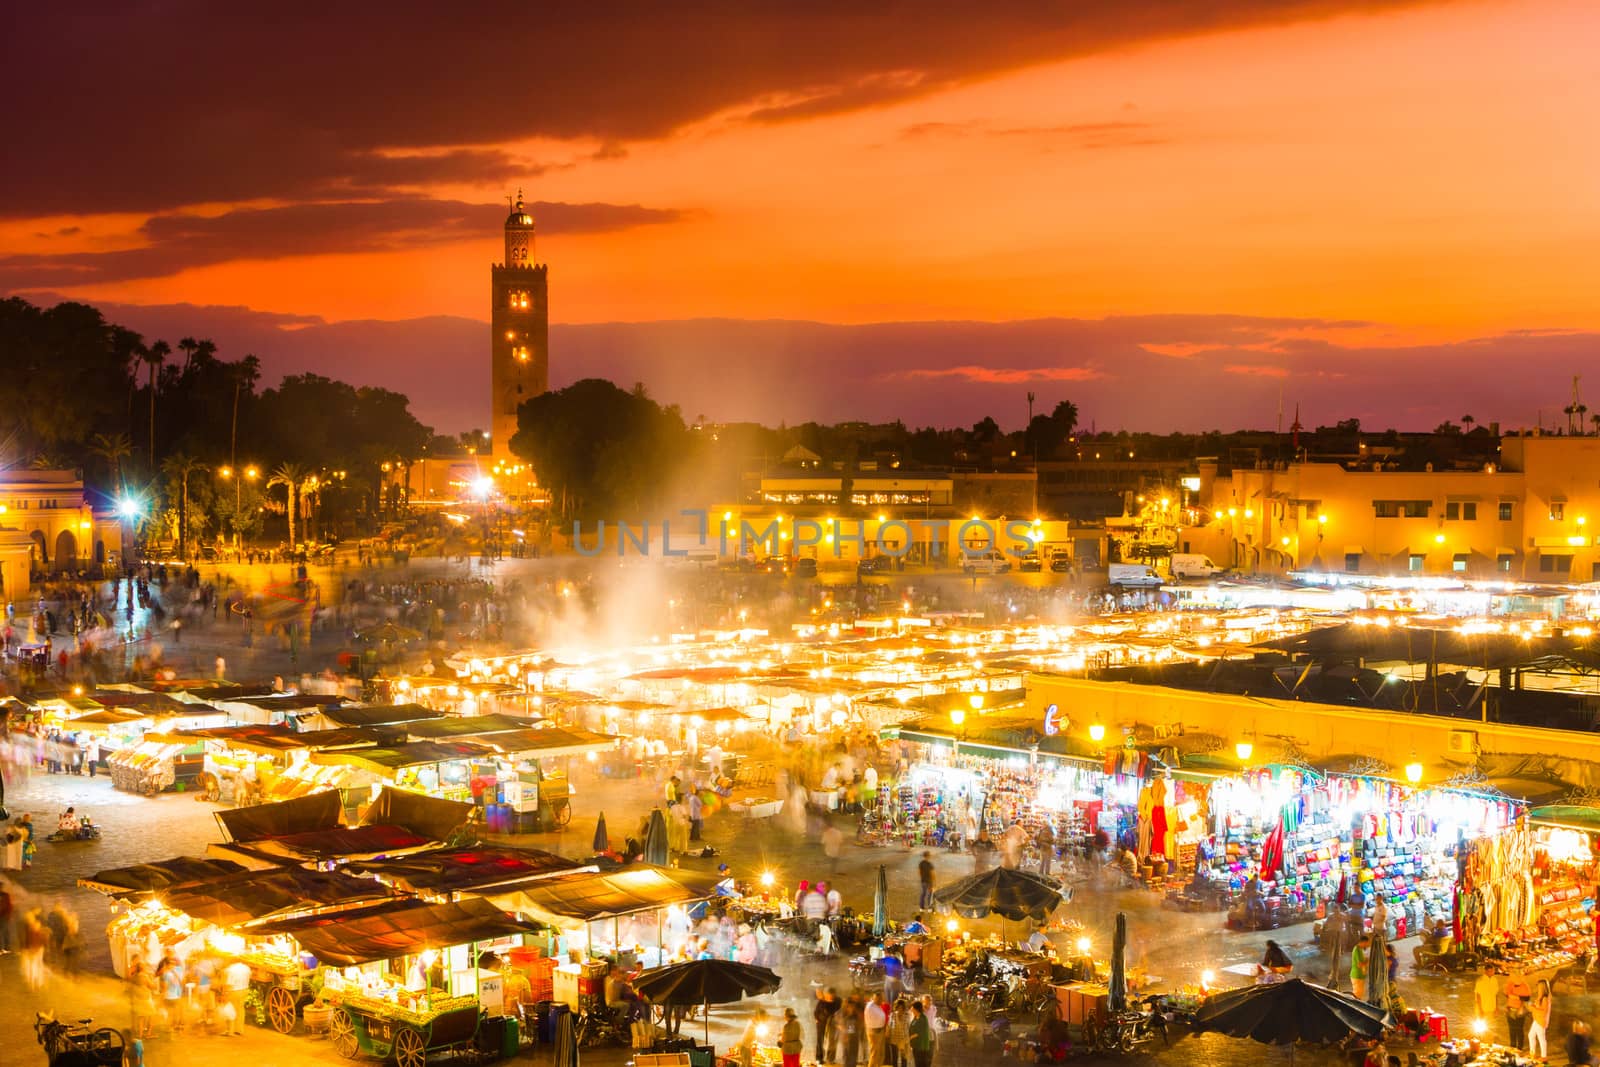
(84, 831)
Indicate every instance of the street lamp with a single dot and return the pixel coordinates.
(250, 473)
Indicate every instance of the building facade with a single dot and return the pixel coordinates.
(47, 526)
(1529, 517)
(519, 329)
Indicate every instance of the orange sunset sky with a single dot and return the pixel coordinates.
(1410, 177)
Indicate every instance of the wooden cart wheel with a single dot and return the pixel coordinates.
(409, 1048)
(342, 1029)
(280, 1009)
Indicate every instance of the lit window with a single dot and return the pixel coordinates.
(1459, 563)
(1417, 562)
(1505, 510)
(1558, 510)
(1503, 562)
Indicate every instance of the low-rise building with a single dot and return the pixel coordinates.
(1529, 517)
(48, 526)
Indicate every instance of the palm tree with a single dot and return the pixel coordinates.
(187, 346)
(1469, 422)
(178, 467)
(291, 476)
(1595, 421)
(113, 448)
(154, 357)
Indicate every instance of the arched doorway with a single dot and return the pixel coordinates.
(40, 555)
(99, 553)
(66, 551)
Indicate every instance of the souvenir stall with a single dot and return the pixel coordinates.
(1513, 914)
(1294, 841)
(1564, 880)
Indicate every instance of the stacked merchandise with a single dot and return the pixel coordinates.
(1565, 918)
(1415, 883)
(1313, 863)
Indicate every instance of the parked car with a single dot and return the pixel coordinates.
(806, 567)
(1028, 561)
(990, 562)
(875, 565)
(1061, 563)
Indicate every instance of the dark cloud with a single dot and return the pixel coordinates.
(940, 373)
(146, 106)
(179, 241)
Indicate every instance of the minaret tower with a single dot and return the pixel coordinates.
(519, 324)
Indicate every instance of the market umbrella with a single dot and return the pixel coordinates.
(705, 982)
(1285, 1012)
(880, 904)
(1119, 974)
(601, 842)
(655, 839)
(1005, 891)
(566, 1041)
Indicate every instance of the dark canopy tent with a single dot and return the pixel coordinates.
(341, 842)
(1415, 644)
(466, 726)
(380, 714)
(258, 894)
(314, 812)
(399, 928)
(155, 877)
(455, 870)
(591, 896)
(385, 758)
(421, 814)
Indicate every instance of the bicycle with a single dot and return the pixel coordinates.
(76, 1045)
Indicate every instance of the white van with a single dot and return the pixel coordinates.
(990, 562)
(1192, 565)
(1137, 574)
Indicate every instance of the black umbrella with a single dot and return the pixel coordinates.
(1004, 891)
(602, 843)
(1285, 1012)
(655, 839)
(566, 1041)
(705, 982)
(880, 904)
(1119, 972)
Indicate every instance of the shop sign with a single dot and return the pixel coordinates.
(1052, 720)
(1168, 730)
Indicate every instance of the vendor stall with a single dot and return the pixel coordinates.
(404, 977)
(637, 916)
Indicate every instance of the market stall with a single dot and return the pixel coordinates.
(156, 763)
(404, 978)
(635, 916)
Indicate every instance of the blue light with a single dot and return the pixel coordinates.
(128, 508)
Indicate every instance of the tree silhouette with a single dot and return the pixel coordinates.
(179, 467)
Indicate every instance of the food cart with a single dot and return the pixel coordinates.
(402, 977)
